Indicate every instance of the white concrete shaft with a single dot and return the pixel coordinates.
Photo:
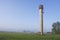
(41, 21)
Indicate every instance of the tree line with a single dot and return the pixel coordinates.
(56, 28)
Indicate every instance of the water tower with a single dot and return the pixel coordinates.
(41, 18)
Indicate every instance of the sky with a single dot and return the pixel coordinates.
(20, 15)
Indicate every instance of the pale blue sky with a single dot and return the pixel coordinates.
(19, 15)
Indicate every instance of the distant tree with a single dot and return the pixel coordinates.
(56, 28)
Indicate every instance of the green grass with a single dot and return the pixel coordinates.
(25, 36)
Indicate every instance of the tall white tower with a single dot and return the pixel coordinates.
(41, 18)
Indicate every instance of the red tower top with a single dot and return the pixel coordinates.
(40, 6)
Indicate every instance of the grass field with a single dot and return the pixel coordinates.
(25, 36)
